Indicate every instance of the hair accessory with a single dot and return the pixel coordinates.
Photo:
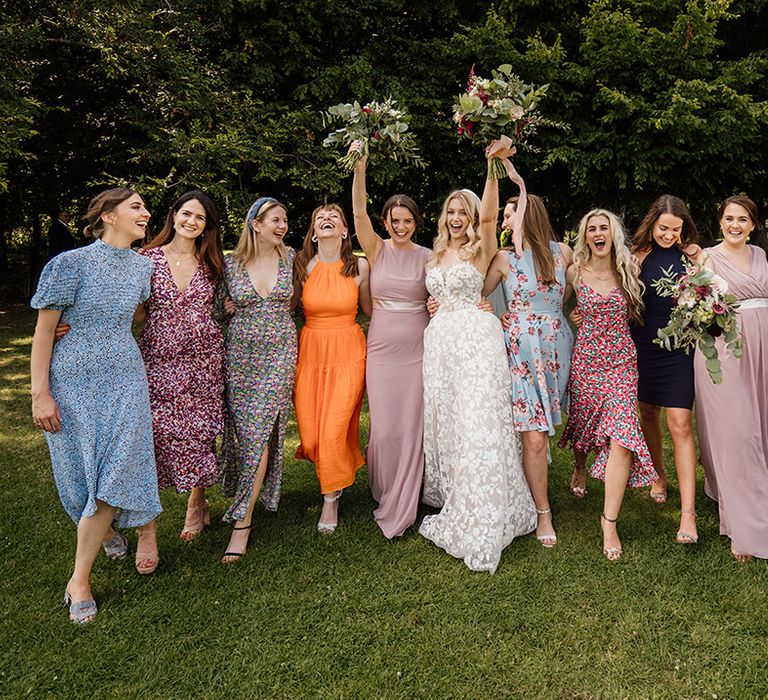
(256, 208)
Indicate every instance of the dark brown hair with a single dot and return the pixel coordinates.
(309, 249)
(402, 200)
(743, 201)
(103, 203)
(538, 232)
(208, 244)
(666, 204)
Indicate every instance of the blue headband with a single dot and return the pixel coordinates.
(256, 207)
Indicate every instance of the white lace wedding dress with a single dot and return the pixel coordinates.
(473, 468)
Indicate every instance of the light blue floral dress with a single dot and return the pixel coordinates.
(539, 343)
(104, 449)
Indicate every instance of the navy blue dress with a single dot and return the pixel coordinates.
(104, 450)
(666, 376)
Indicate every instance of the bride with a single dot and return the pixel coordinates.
(473, 469)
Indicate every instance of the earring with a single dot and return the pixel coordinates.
(314, 238)
(343, 236)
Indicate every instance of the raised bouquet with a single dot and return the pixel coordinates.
(703, 310)
(381, 127)
(499, 106)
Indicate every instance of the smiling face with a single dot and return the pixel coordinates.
(598, 236)
(129, 219)
(272, 226)
(667, 230)
(736, 224)
(328, 224)
(190, 219)
(457, 219)
(400, 224)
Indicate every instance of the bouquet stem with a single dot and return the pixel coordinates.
(496, 169)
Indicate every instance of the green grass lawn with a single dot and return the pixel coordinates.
(354, 615)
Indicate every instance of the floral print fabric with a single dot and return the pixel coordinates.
(261, 364)
(603, 387)
(183, 350)
(539, 343)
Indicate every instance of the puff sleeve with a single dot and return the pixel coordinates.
(58, 283)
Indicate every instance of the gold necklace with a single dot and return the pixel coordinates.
(176, 255)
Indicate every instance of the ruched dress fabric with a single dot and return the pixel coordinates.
(732, 417)
(393, 377)
(261, 365)
(665, 376)
(183, 350)
(473, 468)
(539, 343)
(104, 450)
(603, 387)
(330, 377)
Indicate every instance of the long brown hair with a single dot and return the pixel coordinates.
(666, 204)
(103, 203)
(402, 200)
(309, 249)
(538, 232)
(208, 244)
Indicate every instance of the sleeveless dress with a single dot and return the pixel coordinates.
(183, 351)
(603, 387)
(473, 468)
(732, 417)
(330, 377)
(665, 376)
(261, 362)
(97, 379)
(539, 343)
(393, 377)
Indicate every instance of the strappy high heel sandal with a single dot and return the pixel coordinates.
(329, 528)
(684, 537)
(578, 491)
(201, 516)
(232, 557)
(611, 553)
(547, 541)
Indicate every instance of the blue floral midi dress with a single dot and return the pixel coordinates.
(104, 450)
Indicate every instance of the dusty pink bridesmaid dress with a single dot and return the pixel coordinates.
(732, 417)
(395, 393)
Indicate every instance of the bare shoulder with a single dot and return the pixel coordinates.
(570, 274)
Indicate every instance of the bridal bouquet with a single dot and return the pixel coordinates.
(499, 106)
(381, 127)
(703, 309)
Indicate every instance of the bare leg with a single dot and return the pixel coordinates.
(147, 557)
(198, 515)
(650, 423)
(238, 541)
(579, 475)
(535, 467)
(680, 424)
(616, 477)
(90, 534)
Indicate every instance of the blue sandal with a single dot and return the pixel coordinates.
(82, 612)
(116, 548)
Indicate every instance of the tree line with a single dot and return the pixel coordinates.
(226, 96)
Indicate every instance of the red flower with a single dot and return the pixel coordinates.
(471, 78)
(367, 110)
(702, 290)
(460, 131)
(718, 308)
(376, 136)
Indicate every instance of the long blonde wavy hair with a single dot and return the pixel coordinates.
(467, 251)
(623, 261)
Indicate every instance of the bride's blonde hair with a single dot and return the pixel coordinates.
(467, 251)
(623, 261)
